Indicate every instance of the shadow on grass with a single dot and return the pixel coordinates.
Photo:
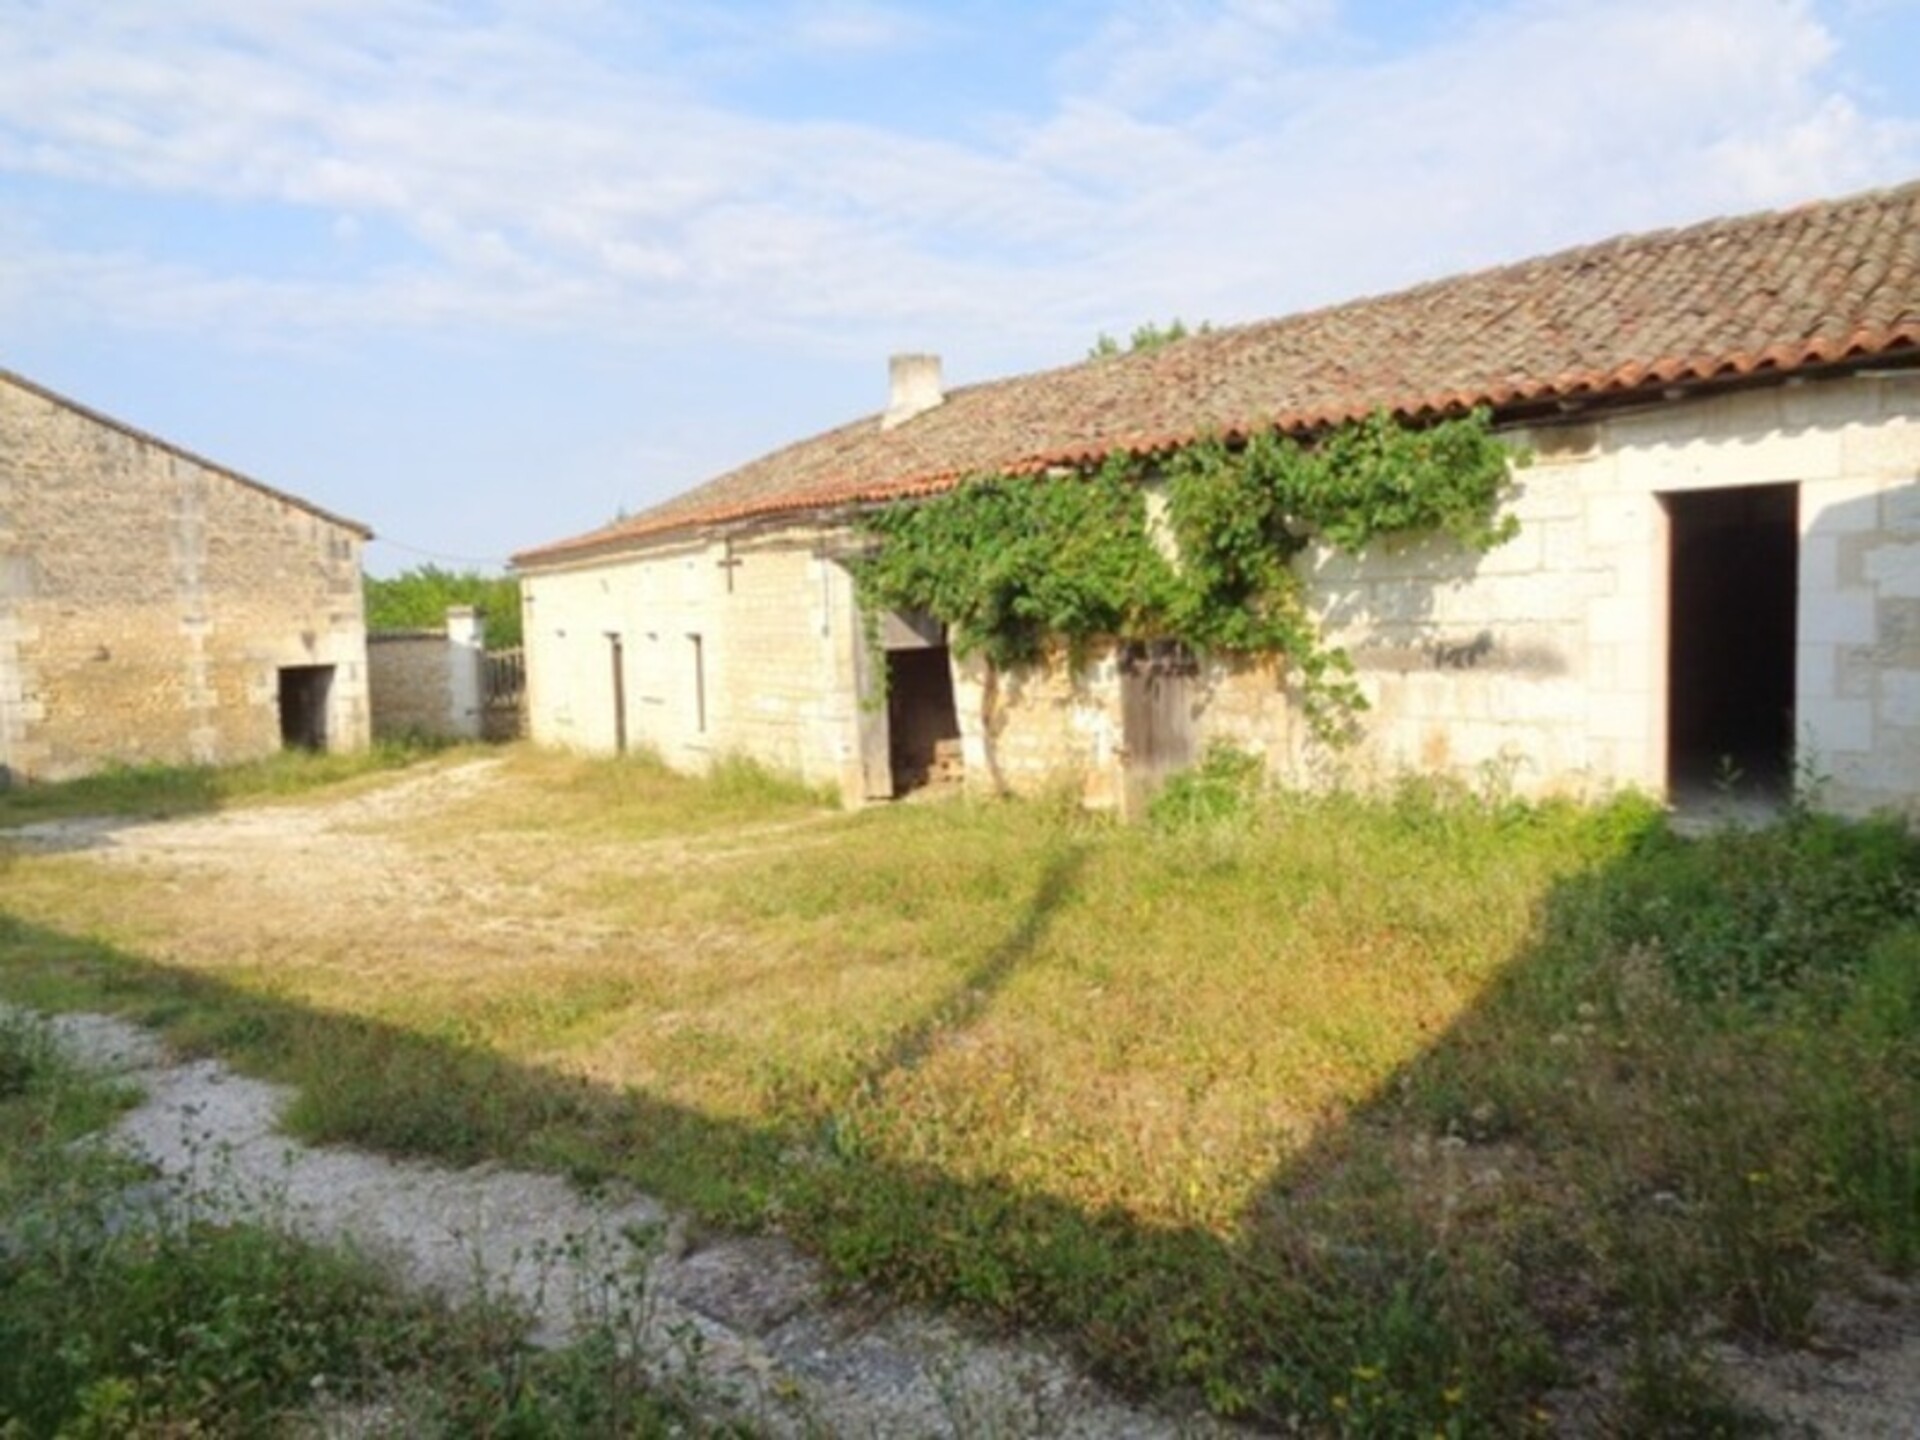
(971, 997)
(1575, 1156)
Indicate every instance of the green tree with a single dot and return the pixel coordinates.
(417, 599)
(1150, 336)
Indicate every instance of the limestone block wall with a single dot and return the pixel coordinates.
(1053, 726)
(1858, 676)
(748, 646)
(1544, 663)
(429, 682)
(566, 619)
(1484, 667)
(1060, 726)
(785, 665)
(1542, 666)
(149, 600)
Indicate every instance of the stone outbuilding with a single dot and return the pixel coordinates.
(158, 607)
(1717, 570)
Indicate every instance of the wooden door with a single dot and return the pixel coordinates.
(1156, 715)
(876, 738)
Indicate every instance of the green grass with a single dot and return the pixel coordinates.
(1360, 1114)
(163, 791)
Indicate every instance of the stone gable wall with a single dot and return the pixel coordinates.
(148, 602)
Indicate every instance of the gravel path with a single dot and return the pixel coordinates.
(770, 1349)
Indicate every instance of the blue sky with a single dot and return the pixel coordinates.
(483, 275)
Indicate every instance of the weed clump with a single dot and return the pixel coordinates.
(1225, 786)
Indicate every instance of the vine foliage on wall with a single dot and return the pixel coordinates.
(1017, 564)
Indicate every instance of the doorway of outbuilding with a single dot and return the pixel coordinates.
(923, 724)
(303, 706)
(1733, 590)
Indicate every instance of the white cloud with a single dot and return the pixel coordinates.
(1533, 125)
(1830, 146)
(1149, 52)
(856, 25)
(559, 166)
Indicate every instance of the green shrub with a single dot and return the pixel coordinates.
(1745, 913)
(1224, 786)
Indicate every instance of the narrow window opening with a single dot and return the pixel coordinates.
(699, 683)
(617, 654)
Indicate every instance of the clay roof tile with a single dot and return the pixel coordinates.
(1775, 292)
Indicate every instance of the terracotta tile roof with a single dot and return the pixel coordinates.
(1711, 303)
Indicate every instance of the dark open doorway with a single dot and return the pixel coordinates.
(303, 706)
(1733, 588)
(923, 725)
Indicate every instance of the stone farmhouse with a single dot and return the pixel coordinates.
(1717, 568)
(157, 607)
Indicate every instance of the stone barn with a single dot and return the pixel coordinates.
(158, 607)
(1717, 570)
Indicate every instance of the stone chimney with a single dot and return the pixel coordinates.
(915, 388)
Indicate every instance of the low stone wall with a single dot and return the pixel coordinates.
(429, 683)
